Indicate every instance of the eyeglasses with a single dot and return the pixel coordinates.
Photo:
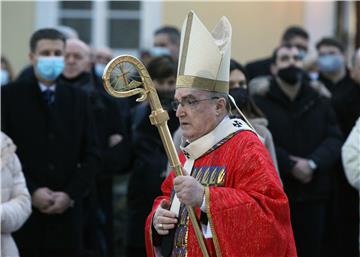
(189, 103)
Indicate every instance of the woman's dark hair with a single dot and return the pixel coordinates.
(234, 65)
(161, 67)
(250, 110)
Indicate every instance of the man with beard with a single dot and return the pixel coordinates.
(150, 161)
(307, 141)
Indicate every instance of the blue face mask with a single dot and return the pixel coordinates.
(4, 77)
(99, 69)
(160, 51)
(49, 68)
(330, 63)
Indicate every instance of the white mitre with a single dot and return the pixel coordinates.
(204, 60)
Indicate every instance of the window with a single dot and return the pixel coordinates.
(123, 33)
(116, 24)
(77, 15)
(124, 5)
(124, 24)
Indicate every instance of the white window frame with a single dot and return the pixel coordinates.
(150, 16)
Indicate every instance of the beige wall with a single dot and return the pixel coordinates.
(257, 26)
(17, 25)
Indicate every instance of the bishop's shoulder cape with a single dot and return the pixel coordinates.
(246, 207)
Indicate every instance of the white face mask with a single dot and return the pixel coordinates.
(5, 78)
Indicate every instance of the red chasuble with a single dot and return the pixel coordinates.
(246, 207)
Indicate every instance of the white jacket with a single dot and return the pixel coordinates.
(351, 158)
(15, 198)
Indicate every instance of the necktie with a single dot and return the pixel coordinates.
(49, 96)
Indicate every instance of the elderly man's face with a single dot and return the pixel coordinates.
(197, 112)
(103, 55)
(77, 59)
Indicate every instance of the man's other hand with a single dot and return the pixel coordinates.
(189, 190)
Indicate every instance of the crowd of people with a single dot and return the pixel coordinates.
(64, 139)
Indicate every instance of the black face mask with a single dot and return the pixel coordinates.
(166, 97)
(240, 95)
(290, 75)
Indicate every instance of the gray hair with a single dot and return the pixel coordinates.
(221, 95)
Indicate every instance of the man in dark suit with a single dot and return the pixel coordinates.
(52, 127)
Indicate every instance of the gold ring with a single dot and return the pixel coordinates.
(160, 225)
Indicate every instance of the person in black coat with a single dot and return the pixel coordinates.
(345, 93)
(53, 129)
(308, 143)
(111, 132)
(149, 157)
(345, 99)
